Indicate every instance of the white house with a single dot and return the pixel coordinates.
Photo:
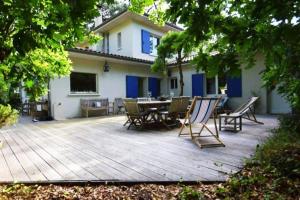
(119, 66)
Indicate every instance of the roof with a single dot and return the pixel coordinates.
(108, 55)
(120, 57)
(119, 15)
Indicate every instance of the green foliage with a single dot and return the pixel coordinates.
(231, 34)
(8, 116)
(111, 8)
(33, 38)
(173, 45)
(189, 193)
(139, 6)
(22, 190)
(274, 172)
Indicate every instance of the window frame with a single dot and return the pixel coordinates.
(175, 84)
(85, 92)
(119, 40)
(151, 44)
(215, 80)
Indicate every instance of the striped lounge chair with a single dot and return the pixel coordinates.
(201, 110)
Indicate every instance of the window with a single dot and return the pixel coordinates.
(211, 85)
(173, 83)
(119, 41)
(222, 85)
(154, 42)
(83, 82)
(149, 43)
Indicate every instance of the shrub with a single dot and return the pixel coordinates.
(8, 115)
(189, 193)
(274, 172)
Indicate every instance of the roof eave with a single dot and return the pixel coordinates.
(97, 28)
(111, 56)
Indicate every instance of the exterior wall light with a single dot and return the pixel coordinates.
(106, 67)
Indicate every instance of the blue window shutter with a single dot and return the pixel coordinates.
(153, 86)
(197, 84)
(234, 86)
(132, 86)
(145, 42)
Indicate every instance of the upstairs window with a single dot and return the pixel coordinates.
(149, 43)
(119, 41)
(174, 83)
(154, 42)
(83, 82)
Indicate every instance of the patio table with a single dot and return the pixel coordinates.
(154, 104)
(153, 107)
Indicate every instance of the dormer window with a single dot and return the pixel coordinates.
(119, 41)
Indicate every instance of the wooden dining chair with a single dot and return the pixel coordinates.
(170, 114)
(135, 116)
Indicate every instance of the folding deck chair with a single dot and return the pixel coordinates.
(245, 111)
(201, 110)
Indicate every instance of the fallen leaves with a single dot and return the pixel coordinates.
(89, 192)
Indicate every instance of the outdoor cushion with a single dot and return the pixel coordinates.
(97, 104)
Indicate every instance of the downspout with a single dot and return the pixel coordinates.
(49, 100)
(107, 48)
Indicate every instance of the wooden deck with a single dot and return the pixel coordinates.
(101, 149)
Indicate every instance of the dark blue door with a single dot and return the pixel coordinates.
(132, 86)
(197, 84)
(153, 86)
(234, 86)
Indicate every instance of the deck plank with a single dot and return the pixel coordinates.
(21, 153)
(101, 149)
(16, 169)
(5, 173)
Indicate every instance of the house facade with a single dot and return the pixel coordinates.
(120, 66)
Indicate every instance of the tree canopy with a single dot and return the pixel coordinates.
(109, 9)
(34, 36)
(230, 34)
(33, 39)
(173, 46)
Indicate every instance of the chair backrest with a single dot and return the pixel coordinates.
(185, 102)
(91, 102)
(131, 107)
(129, 100)
(175, 105)
(202, 108)
(223, 101)
(246, 106)
(119, 102)
(140, 99)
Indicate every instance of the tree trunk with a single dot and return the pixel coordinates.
(180, 73)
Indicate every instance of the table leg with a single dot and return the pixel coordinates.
(220, 123)
(240, 123)
(234, 126)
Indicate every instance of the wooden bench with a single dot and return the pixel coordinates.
(94, 107)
